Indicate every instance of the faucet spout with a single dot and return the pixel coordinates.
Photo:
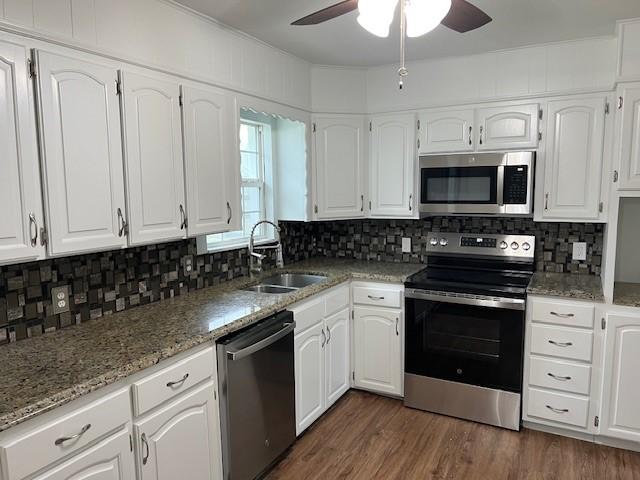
(255, 258)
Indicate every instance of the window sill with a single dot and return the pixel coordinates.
(223, 247)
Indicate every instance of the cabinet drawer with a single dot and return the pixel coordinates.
(168, 382)
(562, 313)
(336, 300)
(308, 313)
(558, 407)
(560, 375)
(561, 342)
(46, 444)
(382, 296)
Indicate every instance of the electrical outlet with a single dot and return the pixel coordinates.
(579, 250)
(406, 245)
(187, 263)
(60, 299)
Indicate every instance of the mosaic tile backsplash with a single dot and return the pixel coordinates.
(103, 283)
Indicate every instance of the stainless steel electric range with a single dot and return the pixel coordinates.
(465, 322)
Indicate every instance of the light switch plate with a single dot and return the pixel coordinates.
(406, 245)
(579, 251)
(60, 299)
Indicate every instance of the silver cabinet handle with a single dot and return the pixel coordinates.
(410, 201)
(481, 130)
(557, 410)
(562, 315)
(122, 224)
(328, 335)
(324, 338)
(178, 382)
(372, 297)
(397, 321)
(558, 377)
(546, 201)
(560, 344)
(145, 444)
(33, 223)
(183, 218)
(362, 203)
(470, 130)
(62, 440)
(229, 213)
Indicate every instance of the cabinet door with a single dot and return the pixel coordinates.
(628, 148)
(153, 158)
(209, 132)
(392, 166)
(449, 131)
(82, 155)
(20, 193)
(573, 159)
(501, 128)
(378, 362)
(621, 392)
(179, 440)
(310, 377)
(110, 459)
(339, 158)
(337, 364)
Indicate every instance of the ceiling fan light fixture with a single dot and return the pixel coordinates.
(376, 16)
(424, 15)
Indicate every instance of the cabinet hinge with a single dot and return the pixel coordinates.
(130, 442)
(118, 87)
(603, 323)
(353, 314)
(180, 100)
(353, 376)
(31, 65)
(369, 204)
(606, 108)
(540, 114)
(44, 236)
(370, 127)
(596, 421)
(314, 127)
(539, 136)
(601, 207)
(418, 143)
(215, 395)
(615, 176)
(315, 209)
(620, 102)
(418, 124)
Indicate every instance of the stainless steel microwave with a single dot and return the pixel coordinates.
(477, 183)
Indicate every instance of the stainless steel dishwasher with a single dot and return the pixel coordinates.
(257, 396)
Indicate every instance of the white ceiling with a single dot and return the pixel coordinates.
(343, 42)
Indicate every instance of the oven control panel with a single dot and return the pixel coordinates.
(492, 244)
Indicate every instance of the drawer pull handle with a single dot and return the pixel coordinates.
(145, 444)
(372, 297)
(562, 315)
(63, 440)
(178, 382)
(560, 344)
(557, 410)
(558, 377)
(328, 335)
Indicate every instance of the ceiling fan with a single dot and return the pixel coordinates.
(417, 17)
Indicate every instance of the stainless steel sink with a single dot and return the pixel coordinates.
(270, 289)
(293, 280)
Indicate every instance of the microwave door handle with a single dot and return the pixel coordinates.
(500, 186)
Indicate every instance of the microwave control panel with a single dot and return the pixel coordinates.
(515, 184)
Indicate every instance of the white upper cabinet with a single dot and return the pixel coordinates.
(392, 166)
(153, 159)
(446, 131)
(512, 127)
(573, 159)
(628, 141)
(339, 149)
(20, 193)
(621, 391)
(209, 133)
(81, 155)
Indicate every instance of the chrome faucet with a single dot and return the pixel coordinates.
(255, 258)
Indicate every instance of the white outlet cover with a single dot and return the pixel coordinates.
(579, 251)
(406, 245)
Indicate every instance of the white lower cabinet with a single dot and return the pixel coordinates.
(309, 368)
(337, 356)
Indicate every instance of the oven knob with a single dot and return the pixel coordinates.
(514, 246)
(433, 241)
(526, 246)
(443, 242)
(503, 245)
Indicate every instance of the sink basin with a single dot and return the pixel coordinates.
(270, 289)
(293, 280)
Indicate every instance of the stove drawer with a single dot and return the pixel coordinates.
(559, 312)
(559, 375)
(558, 407)
(562, 342)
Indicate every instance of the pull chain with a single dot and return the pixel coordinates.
(402, 71)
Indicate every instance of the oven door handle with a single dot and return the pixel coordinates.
(489, 302)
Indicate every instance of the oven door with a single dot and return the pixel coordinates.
(465, 339)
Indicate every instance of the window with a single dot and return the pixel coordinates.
(255, 166)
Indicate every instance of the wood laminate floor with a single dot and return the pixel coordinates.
(365, 436)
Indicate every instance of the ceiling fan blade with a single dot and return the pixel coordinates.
(464, 17)
(328, 13)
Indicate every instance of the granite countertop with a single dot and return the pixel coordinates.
(626, 294)
(568, 285)
(48, 371)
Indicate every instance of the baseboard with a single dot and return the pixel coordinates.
(618, 443)
(585, 437)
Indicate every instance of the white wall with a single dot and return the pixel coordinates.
(161, 34)
(628, 253)
(338, 89)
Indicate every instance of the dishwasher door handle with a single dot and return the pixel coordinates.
(259, 345)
